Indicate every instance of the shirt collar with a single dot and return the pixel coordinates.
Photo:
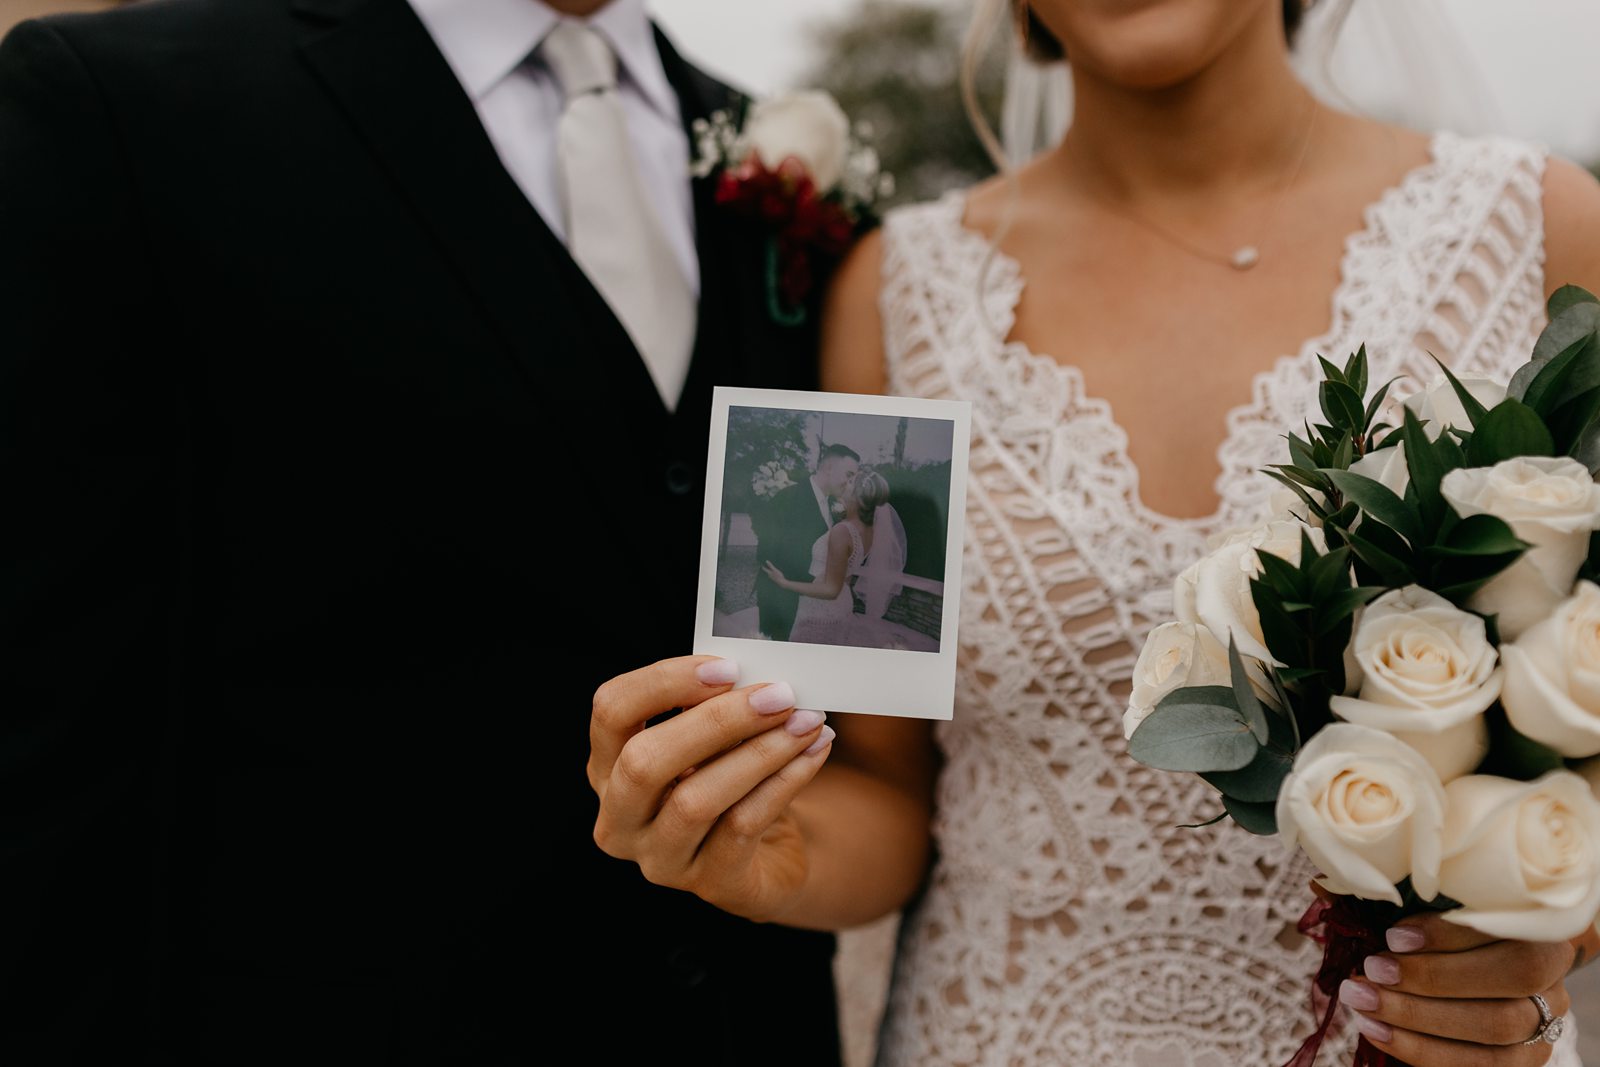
(485, 40)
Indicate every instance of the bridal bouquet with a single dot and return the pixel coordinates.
(1400, 670)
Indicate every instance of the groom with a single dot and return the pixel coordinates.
(345, 346)
(788, 528)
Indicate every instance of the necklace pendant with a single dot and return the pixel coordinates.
(1245, 257)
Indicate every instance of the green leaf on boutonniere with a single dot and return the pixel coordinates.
(1510, 429)
(1196, 728)
(1380, 503)
(1259, 819)
(1244, 695)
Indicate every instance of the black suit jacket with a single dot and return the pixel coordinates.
(789, 528)
(334, 490)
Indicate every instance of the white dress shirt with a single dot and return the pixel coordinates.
(490, 44)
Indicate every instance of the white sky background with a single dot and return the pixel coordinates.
(872, 436)
(1539, 59)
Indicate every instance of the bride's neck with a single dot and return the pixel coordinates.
(1234, 127)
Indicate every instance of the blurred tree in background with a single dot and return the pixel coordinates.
(894, 64)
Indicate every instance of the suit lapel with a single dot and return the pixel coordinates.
(379, 63)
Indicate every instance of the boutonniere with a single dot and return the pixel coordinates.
(800, 171)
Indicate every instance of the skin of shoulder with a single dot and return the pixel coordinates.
(852, 355)
(1571, 226)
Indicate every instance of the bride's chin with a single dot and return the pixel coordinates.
(1151, 45)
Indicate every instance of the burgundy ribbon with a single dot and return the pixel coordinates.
(1349, 930)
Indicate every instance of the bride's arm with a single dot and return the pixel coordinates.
(827, 587)
(1571, 227)
(774, 822)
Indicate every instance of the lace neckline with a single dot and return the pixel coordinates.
(1002, 285)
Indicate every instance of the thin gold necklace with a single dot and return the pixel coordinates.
(1246, 255)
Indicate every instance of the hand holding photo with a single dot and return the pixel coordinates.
(832, 530)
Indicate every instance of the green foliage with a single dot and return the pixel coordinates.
(1511, 755)
(1561, 383)
(893, 66)
(1197, 728)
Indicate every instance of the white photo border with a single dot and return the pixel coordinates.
(877, 681)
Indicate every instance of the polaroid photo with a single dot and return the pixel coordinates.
(831, 552)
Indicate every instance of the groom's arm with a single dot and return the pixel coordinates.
(89, 619)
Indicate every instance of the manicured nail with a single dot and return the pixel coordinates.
(1382, 969)
(717, 672)
(1404, 938)
(771, 699)
(1358, 995)
(804, 721)
(822, 742)
(1373, 1029)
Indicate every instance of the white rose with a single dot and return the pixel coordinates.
(1368, 811)
(1183, 594)
(1176, 654)
(1222, 582)
(1522, 857)
(1553, 504)
(1440, 407)
(807, 125)
(1386, 466)
(1285, 505)
(1427, 674)
(1552, 690)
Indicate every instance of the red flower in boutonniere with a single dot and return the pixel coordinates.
(798, 170)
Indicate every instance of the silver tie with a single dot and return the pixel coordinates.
(612, 232)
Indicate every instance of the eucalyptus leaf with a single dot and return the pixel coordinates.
(1193, 737)
(1574, 322)
(1245, 695)
(1565, 297)
(1259, 819)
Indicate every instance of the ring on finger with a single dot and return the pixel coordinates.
(1551, 1025)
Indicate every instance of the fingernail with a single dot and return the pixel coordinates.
(822, 742)
(1373, 1029)
(1381, 969)
(1404, 938)
(717, 672)
(1358, 995)
(771, 699)
(803, 722)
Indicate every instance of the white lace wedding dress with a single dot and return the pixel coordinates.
(1069, 920)
(830, 622)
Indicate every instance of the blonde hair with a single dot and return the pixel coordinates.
(871, 492)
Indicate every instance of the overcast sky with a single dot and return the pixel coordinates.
(1540, 59)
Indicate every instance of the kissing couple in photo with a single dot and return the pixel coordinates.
(811, 562)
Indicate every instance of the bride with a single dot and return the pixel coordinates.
(827, 614)
(1135, 317)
